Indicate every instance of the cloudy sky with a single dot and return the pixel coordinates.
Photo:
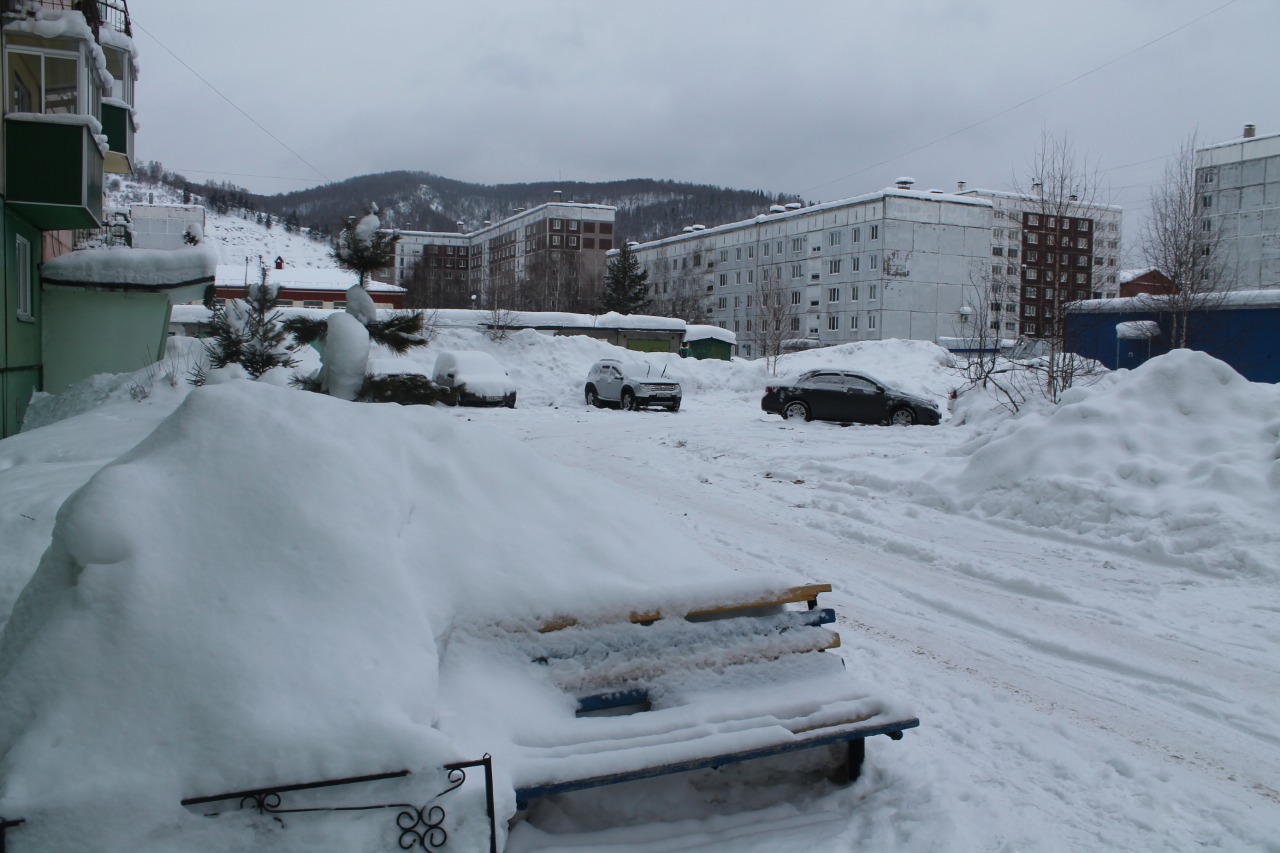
(824, 98)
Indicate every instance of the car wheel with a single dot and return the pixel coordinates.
(796, 409)
(902, 416)
(629, 401)
(675, 407)
(511, 404)
(593, 399)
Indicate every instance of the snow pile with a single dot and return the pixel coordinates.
(138, 267)
(1180, 457)
(258, 592)
(478, 371)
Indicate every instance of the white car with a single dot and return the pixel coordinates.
(477, 378)
(631, 385)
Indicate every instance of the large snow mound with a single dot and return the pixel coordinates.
(259, 589)
(1181, 456)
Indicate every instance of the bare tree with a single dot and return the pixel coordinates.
(1060, 185)
(679, 288)
(771, 312)
(1181, 241)
(981, 362)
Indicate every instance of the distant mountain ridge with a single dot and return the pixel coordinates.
(421, 201)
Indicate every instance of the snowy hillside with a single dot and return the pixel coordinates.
(246, 583)
(236, 236)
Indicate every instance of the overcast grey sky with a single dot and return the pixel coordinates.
(825, 98)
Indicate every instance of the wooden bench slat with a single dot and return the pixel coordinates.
(793, 595)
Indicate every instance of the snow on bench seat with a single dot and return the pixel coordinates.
(582, 702)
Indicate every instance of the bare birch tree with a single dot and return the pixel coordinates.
(1182, 241)
(771, 312)
(1060, 185)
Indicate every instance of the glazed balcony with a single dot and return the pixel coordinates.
(53, 171)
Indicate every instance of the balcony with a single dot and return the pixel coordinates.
(53, 172)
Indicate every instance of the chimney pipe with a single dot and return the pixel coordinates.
(1250, 131)
(960, 185)
(555, 195)
(461, 230)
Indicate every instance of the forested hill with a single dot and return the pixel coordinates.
(421, 201)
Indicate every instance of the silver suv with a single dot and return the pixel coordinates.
(630, 385)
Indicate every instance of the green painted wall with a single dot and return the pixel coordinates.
(88, 332)
(20, 351)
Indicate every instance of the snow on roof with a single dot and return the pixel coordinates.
(299, 278)
(467, 318)
(1126, 276)
(1153, 302)
(888, 192)
(58, 23)
(129, 269)
(1239, 140)
(1016, 196)
(702, 333)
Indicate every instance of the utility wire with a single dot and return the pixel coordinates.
(1026, 101)
(232, 103)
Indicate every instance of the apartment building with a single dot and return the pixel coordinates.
(546, 258)
(890, 264)
(1045, 253)
(68, 67)
(1238, 188)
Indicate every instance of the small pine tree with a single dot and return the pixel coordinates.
(626, 284)
(248, 332)
(363, 247)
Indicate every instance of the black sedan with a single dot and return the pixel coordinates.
(838, 395)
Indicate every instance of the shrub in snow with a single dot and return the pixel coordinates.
(249, 333)
(364, 247)
(343, 342)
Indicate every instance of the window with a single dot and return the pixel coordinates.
(1031, 328)
(1029, 293)
(43, 82)
(1097, 261)
(1012, 253)
(1032, 219)
(748, 326)
(875, 262)
(1033, 239)
(1009, 307)
(724, 279)
(871, 321)
(1048, 294)
(1082, 242)
(833, 294)
(853, 293)
(737, 302)
(737, 254)
(22, 257)
(1028, 310)
(795, 324)
(873, 291)
(737, 277)
(722, 303)
(875, 232)
(1010, 326)
(1032, 257)
(797, 244)
(795, 297)
(997, 251)
(766, 249)
(724, 255)
(737, 325)
(857, 235)
(995, 325)
(1051, 222)
(573, 225)
(997, 233)
(833, 322)
(751, 276)
(797, 270)
(312, 303)
(833, 267)
(853, 322)
(1082, 225)
(995, 307)
(1206, 177)
(340, 304)
(1111, 262)
(751, 252)
(556, 224)
(285, 303)
(749, 301)
(1032, 273)
(833, 238)
(855, 263)
(777, 248)
(996, 269)
(1015, 235)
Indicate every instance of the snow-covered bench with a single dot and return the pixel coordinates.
(656, 693)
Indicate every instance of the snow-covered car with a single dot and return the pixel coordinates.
(838, 395)
(630, 385)
(477, 378)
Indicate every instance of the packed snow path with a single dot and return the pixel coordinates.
(1072, 695)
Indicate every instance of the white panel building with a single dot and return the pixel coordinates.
(890, 264)
(1238, 183)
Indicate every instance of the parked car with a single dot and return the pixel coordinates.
(630, 385)
(838, 395)
(477, 377)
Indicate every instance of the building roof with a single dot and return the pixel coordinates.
(701, 333)
(888, 192)
(1015, 196)
(1156, 302)
(298, 278)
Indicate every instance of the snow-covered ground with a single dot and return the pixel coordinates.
(251, 583)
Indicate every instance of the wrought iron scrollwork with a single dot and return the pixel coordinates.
(420, 827)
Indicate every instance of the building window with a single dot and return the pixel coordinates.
(1028, 310)
(875, 232)
(1012, 253)
(833, 322)
(724, 279)
(749, 300)
(833, 238)
(1033, 238)
(853, 293)
(996, 269)
(573, 225)
(997, 233)
(797, 244)
(737, 277)
(766, 249)
(1207, 201)
(1029, 293)
(737, 302)
(724, 255)
(285, 303)
(1032, 219)
(1032, 273)
(875, 262)
(853, 322)
(312, 303)
(43, 82)
(751, 252)
(833, 267)
(795, 297)
(556, 224)
(857, 235)
(871, 321)
(795, 324)
(737, 325)
(997, 251)
(722, 303)
(833, 294)
(873, 291)
(797, 270)
(22, 257)
(737, 253)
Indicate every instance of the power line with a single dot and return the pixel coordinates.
(231, 102)
(1023, 103)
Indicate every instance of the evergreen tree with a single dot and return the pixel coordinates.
(626, 284)
(363, 247)
(248, 332)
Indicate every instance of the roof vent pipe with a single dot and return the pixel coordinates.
(555, 195)
(905, 183)
(1037, 188)
(960, 185)
(461, 230)
(1250, 131)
